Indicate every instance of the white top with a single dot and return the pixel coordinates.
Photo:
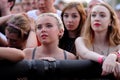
(32, 13)
(3, 36)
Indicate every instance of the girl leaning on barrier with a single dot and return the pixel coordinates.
(100, 41)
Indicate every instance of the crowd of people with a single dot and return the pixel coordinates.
(37, 29)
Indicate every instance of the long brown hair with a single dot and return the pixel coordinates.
(81, 10)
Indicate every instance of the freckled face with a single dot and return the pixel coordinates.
(47, 30)
(100, 18)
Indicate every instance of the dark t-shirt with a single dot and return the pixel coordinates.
(2, 28)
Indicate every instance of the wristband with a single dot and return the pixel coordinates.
(100, 60)
(118, 54)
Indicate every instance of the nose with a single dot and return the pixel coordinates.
(43, 29)
(97, 17)
(69, 19)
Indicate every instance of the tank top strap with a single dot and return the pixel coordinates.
(33, 54)
(65, 55)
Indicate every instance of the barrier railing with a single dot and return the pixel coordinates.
(52, 70)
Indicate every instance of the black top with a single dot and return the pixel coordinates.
(68, 44)
(33, 54)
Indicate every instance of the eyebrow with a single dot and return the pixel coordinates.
(99, 12)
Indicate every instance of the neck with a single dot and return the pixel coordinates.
(71, 34)
(100, 38)
(50, 48)
(5, 12)
(53, 10)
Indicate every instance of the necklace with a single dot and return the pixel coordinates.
(101, 51)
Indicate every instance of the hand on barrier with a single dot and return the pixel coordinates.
(47, 58)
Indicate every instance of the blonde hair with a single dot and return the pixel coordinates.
(19, 24)
(58, 19)
(60, 23)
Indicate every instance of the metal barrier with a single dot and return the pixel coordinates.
(52, 70)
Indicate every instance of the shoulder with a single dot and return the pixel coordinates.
(28, 53)
(79, 39)
(115, 48)
(28, 50)
(33, 14)
(70, 55)
(59, 12)
(31, 11)
(118, 46)
(3, 36)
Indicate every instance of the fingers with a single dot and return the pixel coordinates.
(107, 69)
(117, 71)
(48, 58)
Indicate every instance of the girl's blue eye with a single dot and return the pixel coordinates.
(39, 27)
(65, 15)
(48, 25)
(93, 15)
(102, 15)
(74, 16)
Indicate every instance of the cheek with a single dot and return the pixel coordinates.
(106, 22)
(55, 33)
(64, 20)
(38, 33)
(76, 22)
(92, 21)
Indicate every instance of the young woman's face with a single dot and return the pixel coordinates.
(47, 30)
(13, 40)
(71, 19)
(100, 18)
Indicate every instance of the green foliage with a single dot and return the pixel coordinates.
(118, 1)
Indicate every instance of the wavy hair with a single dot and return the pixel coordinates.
(113, 34)
(80, 8)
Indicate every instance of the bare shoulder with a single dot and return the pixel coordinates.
(28, 53)
(70, 55)
(79, 39)
(115, 48)
(118, 47)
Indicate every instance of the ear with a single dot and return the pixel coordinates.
(61, 32)
(10, 4)
(110, 24)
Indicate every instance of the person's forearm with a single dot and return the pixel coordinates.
(93, 56)
(11, 54)
(32, 40)
(5, 18)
